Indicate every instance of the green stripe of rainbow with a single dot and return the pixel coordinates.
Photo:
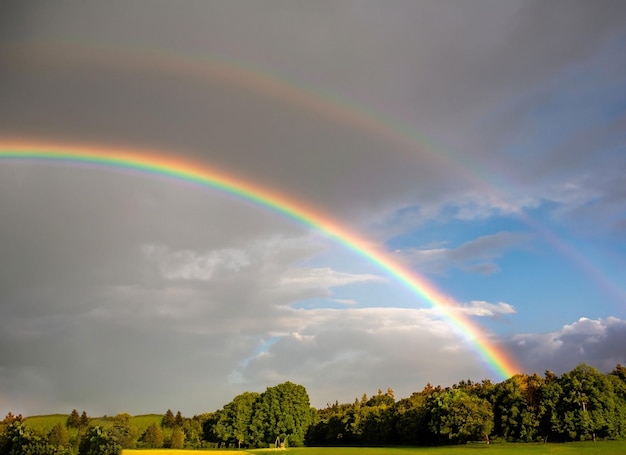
(162, 165)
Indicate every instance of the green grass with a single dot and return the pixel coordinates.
(43, 424)
(142, 422)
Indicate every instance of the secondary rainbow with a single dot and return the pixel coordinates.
(161, 164)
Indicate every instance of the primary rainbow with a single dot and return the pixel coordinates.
(163, 165)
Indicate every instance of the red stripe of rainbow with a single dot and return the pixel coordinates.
(160, 164)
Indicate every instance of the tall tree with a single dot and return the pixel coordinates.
(58, 435)
(84, 420)
(178, 438)
(178, 420)
(73, 420)
(282, 411)
(236, 418)
(153, 437)
(168, 419)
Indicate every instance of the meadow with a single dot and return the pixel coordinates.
(571, 448)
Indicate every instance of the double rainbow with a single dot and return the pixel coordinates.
(158, 164)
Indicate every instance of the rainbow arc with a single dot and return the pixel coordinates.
(161, 164)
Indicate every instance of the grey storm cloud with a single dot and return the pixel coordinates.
(597, 342)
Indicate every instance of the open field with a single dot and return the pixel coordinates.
(585, 448)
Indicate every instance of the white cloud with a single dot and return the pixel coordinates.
(324, 277)
(597, 342)
(482, 308)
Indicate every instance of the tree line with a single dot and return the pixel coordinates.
(582, 404)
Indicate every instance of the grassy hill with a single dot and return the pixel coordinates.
(44, 423)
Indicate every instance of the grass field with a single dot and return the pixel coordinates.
(44, 423)
(585, 448)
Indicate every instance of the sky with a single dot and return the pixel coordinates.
(479, 145)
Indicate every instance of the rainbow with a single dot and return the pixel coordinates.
(159, 164)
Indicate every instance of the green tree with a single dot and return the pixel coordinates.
(178, 438)
(516, 408)
(98, 441)
(282, 411)
(153, 437)
(21, 440)
(209, 424)
(458, 416)
(123, 431)
(412, 417)
(178, 420)
(73, 420)
(168, 419)
(84, 420)
(58, 435)
(549, 404)
(236, 418)
(588, 405)
(193, 432)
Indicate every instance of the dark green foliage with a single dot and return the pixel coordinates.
(84, 420)
(123, 431)
(152, 438)
(58, 435)
(17, 439)
(282, 411)
(98, 441)
(73, 421)
(516, 408)
(456, 416)
(168, 419)
(256, 420)
(581, 404)
(178, 420)
(193, 432)
(233, 424)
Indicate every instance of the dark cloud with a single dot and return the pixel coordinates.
(596, 342)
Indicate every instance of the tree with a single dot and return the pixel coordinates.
(168, 419)
(98, 441)
(516, 408)
(178, 438)
(21, 440)
(84, 420)
(458, 416)
(620, 372)
(236, 417)
(282, 411)
(73, 421)
(412, 417)
(123, 431)
(58, 435)
(153, 437)
(178, 420)
(588, 405)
